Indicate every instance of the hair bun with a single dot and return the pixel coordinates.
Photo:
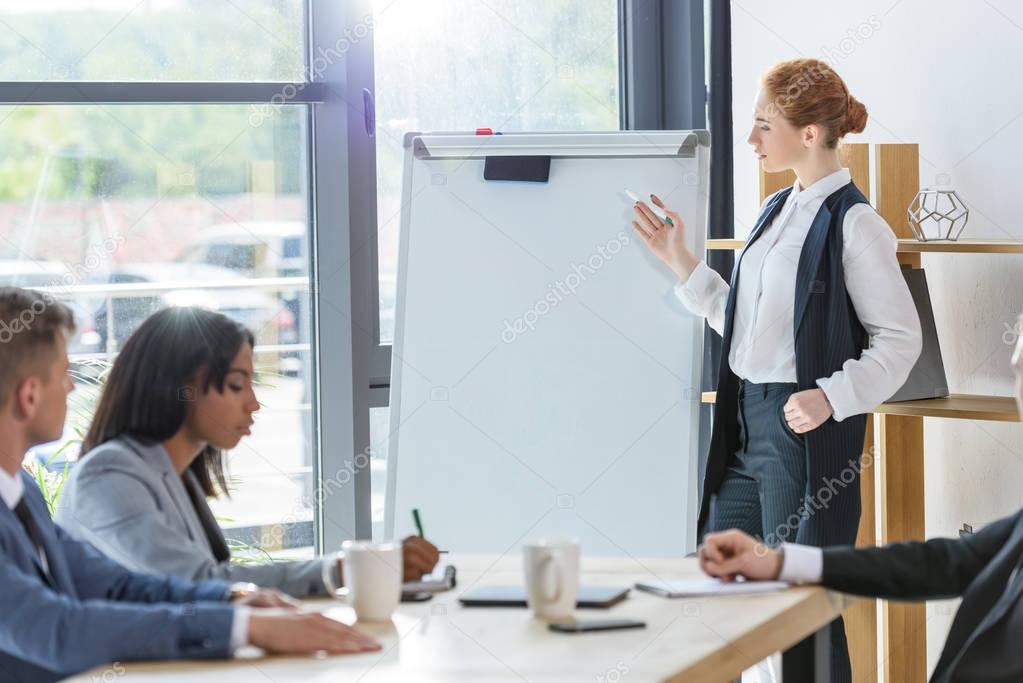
(855, 117)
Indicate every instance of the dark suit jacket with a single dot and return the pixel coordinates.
(86, 610)
(985, 642)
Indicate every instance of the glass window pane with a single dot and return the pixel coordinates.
(124, 215)
(155, 40)
(511, 65)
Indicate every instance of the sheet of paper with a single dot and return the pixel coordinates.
(709, 586)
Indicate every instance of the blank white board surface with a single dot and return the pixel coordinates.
(545, 381)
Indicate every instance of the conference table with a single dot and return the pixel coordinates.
(686, 639)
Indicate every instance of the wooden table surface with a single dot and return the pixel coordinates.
(698, 639)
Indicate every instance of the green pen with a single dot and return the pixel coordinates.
(419, 527)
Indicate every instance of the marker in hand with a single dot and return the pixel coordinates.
(658, 211)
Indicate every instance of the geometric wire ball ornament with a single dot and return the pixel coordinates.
(937, 215)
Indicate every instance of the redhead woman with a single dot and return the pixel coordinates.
(817, 324)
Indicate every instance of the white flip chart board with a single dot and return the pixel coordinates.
(545, 380)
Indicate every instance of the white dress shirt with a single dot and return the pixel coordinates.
(801, 563)
(763, 343)
(12, 489)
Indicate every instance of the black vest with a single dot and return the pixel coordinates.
(827, 333)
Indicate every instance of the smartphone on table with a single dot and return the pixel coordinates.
(588, 625)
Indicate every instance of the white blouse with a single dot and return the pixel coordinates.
(763, 344)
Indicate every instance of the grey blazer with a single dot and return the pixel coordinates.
(126, 499)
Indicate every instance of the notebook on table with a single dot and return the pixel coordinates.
(441, 579)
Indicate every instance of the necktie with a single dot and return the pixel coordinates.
(21, 511)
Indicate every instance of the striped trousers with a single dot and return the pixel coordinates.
(764, 491)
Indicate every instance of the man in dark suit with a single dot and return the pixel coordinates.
(67, 608)
(983, 644)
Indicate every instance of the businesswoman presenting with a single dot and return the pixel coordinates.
(818, 326)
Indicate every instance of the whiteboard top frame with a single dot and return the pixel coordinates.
(651, 143)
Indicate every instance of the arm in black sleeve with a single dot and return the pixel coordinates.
(915, 570)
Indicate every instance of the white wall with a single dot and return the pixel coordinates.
(945, 75)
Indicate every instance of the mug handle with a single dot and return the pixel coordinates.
(549, 562)
(327, 572)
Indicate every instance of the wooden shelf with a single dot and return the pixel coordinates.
(912, 246)
(964, 246)
(962, 406)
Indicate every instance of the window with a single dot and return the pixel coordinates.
(510, 65)
(199, 197)
(122, 216)
(161, 40)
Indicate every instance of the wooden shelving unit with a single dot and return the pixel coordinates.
(898, 457)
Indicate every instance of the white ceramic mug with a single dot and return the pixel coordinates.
(372, 578)
(552, 577)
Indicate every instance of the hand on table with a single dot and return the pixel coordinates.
(732, 553)
(294, 632)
